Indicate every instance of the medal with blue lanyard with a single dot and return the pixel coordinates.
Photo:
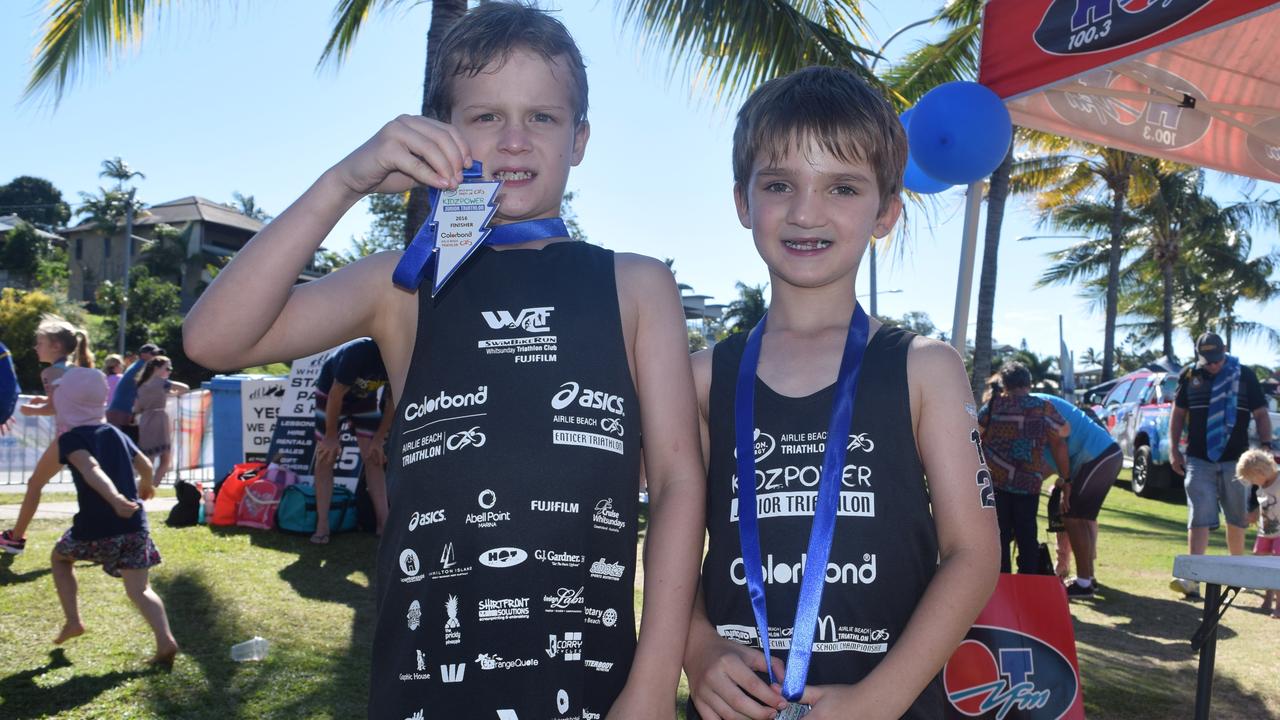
(458, 225)
(824, 515)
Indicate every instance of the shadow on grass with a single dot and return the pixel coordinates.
(1146, 621)
(205, 632)
(1173, 495)
(23, 698)
(1143, 667)
(8, 577)
(1142, 525)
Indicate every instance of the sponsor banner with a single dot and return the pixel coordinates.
(1018, 661)
(259, 406)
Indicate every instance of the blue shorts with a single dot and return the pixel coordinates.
(1210, 485)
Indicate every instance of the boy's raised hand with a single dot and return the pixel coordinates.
(408, 151)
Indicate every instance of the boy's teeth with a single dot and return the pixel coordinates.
(807, 244)
(522, 175)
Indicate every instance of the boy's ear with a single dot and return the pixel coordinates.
(580, 136)
(740, 201)
(888, 217)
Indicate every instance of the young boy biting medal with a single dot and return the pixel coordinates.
(864, 560)
(506, 568)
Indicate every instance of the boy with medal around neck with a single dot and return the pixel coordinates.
(818, 162)
(509, 90)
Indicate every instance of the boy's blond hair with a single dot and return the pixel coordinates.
(488, 35)
(831, 107)
(1256, 467)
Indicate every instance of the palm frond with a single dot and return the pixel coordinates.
(735, 46)
(80, 32)
(348, 19)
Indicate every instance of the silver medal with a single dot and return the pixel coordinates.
(794, 710)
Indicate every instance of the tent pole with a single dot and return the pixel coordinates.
(964, 283)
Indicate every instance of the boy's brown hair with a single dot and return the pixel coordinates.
(488, 35)
(1256, 467)
(832, 107)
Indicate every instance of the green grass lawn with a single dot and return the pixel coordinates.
(15, 498)
(315, 606)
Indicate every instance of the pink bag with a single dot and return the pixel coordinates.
(258, 507)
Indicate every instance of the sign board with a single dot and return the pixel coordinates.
(259, 406)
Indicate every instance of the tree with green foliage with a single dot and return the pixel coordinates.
(151, 300)
(20, 314)
(1186, 255)
(915, 321)
(1068, 172)
(35, 200)
(37, 260)
(736, 46)
(246, 205)
(119, 170)
(78, 33)
(106, 210)
(743, 313)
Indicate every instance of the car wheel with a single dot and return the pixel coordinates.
(1148, 478)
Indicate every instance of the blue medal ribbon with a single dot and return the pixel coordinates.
(824, 515)
(417, 259)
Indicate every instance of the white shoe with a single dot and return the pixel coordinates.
(1186, 587)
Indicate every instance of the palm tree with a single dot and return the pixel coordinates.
(246, 205)
(1072, 171)
(955, 57)
(81, 32)
(117, 169)
(747, 310)
(735, 46)
(1189, 254)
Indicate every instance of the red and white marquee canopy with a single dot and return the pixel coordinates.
(1196, 81)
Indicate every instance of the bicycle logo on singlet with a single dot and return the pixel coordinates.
(861, 442)
(472, 437)
(611, 425)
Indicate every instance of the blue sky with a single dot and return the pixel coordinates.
(229, 99)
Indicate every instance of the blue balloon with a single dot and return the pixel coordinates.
(913, 178)
(959, 132)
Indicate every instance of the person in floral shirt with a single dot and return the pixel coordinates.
(1016, 427)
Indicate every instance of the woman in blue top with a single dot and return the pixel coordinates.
(1095, 461)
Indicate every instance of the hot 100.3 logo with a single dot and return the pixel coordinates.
(1008, 675)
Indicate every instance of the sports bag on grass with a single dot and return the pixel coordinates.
(258, 506)
(297, 510)
(231, 490)
(187, 512)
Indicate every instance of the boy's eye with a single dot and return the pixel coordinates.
(776, 187)
(543, 118)
(486, 117)
(845, 190)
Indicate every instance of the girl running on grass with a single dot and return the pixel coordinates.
(111, 527)
(60, 345)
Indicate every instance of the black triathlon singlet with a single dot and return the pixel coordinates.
(507, 565)
(885, 549)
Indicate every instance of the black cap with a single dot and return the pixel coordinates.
(1210, 347)
(151, 348)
